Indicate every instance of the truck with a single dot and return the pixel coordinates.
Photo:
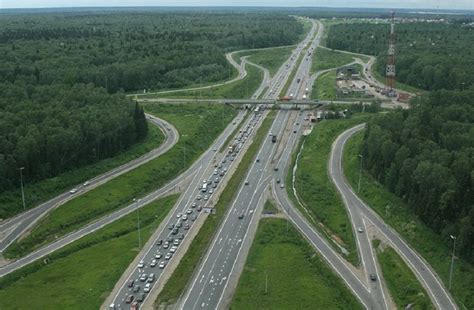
(274, 138)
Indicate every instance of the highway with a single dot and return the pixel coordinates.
(169, 188)
(428, 278)
(11, 229)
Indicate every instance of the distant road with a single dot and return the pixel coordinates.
(11, 229)
(428, 278)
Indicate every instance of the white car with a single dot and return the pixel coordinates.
(141, 264)
(173, 249)
(153, 263)
(147, 287)
(73, 191)
(206, 197)
(162, 265)
(178, 215)
(359, 229)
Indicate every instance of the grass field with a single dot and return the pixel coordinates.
(325, 59)
(81, 275)
(270, 58)
(237, 90)
(324, 87)
(191, 121)
(182, 275)
(401, 282)
(315, 189)
(397, 214)
(282, 271)
(38, 192)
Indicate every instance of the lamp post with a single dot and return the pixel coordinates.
(360, 172)
(22, 189)
(135, 201)
(452, 261)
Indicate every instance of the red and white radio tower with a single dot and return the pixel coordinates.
(390, 72)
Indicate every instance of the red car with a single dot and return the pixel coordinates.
(129, 299)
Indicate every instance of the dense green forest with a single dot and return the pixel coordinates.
(63, 76)
(429, 56)
(426, 156)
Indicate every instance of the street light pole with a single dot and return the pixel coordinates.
(22, 189)
(138, 225)
(452, 262)
(360, 172)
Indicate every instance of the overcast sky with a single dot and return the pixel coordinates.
(430, 4)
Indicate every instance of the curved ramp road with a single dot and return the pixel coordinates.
(195, 169)
(438, 293)
(13, 228)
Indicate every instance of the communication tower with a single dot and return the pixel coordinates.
(390, 72)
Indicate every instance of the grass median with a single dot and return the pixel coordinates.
(82, 274)
(198, 125)
(282, 271)
(324, 87)
(421, 238)
(41, 191)
(316, 191)
(240, 89)
(401, 282)
(182, 274)
(270, 58)
(326, 59)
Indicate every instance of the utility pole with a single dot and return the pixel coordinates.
(452, 262)
(360, 172)
(138, 224)
(22, 189)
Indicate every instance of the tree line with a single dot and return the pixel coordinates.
(429, 56)
(425, 155)
(63, 76)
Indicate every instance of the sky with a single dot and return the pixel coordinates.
(415, 4)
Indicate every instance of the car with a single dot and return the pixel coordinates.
(186, 226)
(189, 211)
(194, 217)
(185, 217)
(276, 168)
(181, 236)
(86, 183)
(198, 197)
(170, 239)
(141, 264)
(359, 229)
(129, 299)
(294, 131)
(162, 264)
(130, 283)
(258, 160)
(143, 277)
(73, 191)
(147, 287)
(159, 242)
(221, 174)
(215, 172)
(241, 215)
(216, 180)
(151, 278)
(214, 185)
(179, 224)
(141, 297)
(282, 185)
(194, 205)
(171, 226)
(136, 288)
(176, 242)
(199, 208)
(278, 180)
(153, 263)
(211, 191)
(178, 215)
(168, 256)
(246, 182)
(166, 245)
(373, 277)
(158, 255)
(232, 159)
(224, 161)
(206, 197)
(175, 231)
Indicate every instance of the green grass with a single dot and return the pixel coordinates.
(324, 87)
(191, 120)
(297, 276)
(182, 275)
(401, 282)
(269, 207)
(81, 275)
(325, 59)
(38, 192)
(397, 214)
(315, 189)
(240, 89)
(270, 58)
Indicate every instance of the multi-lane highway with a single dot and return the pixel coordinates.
(13, 228)
(438, 293)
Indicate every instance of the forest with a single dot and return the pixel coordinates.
(425, 155)
(430, 56)
(64, 75)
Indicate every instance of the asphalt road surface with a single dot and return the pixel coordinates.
(438, 293)
(13, 228)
